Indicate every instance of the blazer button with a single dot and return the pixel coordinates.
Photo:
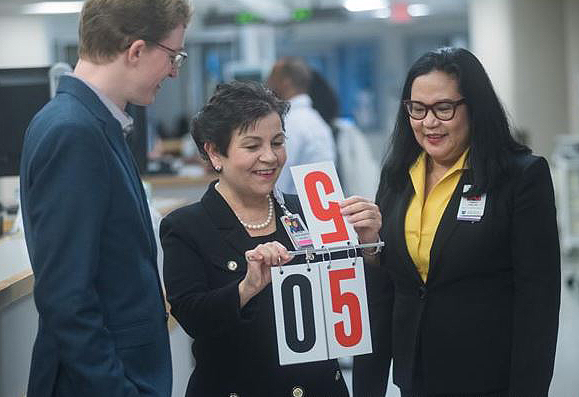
(166, 316)
(422, 292)
(297, 391)
(233, 395)
(337, 376)
(232, 265)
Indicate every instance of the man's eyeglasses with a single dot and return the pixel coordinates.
(177, 58)
(443, 110)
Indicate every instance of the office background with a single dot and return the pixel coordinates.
(530, 49)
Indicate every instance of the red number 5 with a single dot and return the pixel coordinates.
(339, 300)
(325, 214)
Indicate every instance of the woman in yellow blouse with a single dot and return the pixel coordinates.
(466, 299)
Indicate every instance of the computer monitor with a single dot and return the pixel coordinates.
(23, 92)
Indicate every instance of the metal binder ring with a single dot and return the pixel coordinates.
(329, 257)
(348, 249)
(355, 254)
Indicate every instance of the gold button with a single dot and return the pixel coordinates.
(297, 391)
(232, 265)
(337, 375)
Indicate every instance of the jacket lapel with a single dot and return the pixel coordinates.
(397, 229)
(114, 133)
(447, 225)
(226, 221)
(144, 204)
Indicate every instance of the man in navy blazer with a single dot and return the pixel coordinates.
(102, 323)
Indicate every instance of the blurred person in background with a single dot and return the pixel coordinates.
(358, 171)
(468, 302)
(309, 138)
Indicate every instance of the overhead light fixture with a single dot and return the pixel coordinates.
(364, 5)
(54, 7)
(272, 11)
(382, 14)
(418, 10)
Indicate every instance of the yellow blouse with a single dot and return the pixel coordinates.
(424, 213)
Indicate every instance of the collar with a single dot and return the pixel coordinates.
(123, 118)
(418, 170)
(301, 100)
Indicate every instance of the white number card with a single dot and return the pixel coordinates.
(345, 307)
(321, 308)
(321, 313)
(299, 314)
(319, 191)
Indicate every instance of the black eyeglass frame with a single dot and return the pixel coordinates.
(408, 104)
(177, 58)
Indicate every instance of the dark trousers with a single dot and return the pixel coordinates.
(419, 389)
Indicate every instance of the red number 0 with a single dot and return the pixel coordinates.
(325, 214)
(339, 300)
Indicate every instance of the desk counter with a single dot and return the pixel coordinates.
(16, 278)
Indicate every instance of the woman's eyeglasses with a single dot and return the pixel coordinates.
(443, 110)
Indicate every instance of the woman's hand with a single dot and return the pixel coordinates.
(259, 261)
(364, 215)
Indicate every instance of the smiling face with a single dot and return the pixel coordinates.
(254, 159)
(156, 66)
(443, 141)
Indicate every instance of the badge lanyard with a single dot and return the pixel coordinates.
(294, 225)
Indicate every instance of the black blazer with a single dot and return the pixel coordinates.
(102, 327)
(235, 350)
(486, 319)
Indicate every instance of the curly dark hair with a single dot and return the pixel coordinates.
(234, 105)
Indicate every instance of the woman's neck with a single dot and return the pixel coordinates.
(435, 169)
(252, 210)
(434, 173)
(239, 201)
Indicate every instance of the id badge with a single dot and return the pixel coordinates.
(297, 231)
(471, 208)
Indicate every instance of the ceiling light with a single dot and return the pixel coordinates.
(54, 7)
(382, 14)
(364, 5)
(418, 10)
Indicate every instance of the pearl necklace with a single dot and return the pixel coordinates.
(262, 225)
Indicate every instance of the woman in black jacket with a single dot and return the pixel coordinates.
(218, 253)
(466, 300)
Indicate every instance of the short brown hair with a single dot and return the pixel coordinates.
(297, 71)
(108, 27)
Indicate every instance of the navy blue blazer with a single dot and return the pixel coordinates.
(102, 323)
(486, 319)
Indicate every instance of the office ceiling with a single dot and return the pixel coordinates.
(277, 9)
(274, 10)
